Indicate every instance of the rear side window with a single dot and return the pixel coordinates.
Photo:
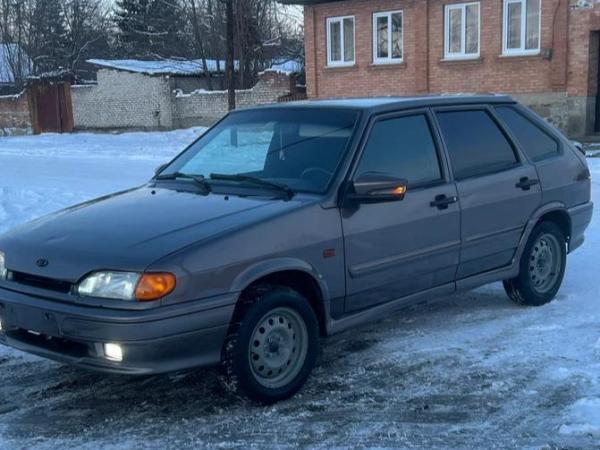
(535, 142)
(402, 147)
(475, 143)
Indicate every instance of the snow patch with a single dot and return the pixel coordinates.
(12, 96)
(545, 327)
(584, 418)
(45, 173)
(286, 67)
(162, 67)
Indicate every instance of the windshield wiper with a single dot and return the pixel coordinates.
(288, 191)
(198, 179)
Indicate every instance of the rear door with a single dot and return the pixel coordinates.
(396, 249)
(497, 188)
(563, 177)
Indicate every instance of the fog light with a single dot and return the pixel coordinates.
(113, 352)
(1, 329)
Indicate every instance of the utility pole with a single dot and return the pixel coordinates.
(229, 63)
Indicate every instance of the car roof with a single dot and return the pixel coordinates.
(382, 104)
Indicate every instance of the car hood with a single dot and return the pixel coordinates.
(129, 230)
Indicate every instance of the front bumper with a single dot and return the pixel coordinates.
(158, 340)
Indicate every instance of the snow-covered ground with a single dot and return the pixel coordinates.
(472, 371)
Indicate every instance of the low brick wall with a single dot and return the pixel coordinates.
(206, 107)
(14, 114)
(124, 100)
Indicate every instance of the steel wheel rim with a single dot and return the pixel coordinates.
(545, 263)
(278, 347)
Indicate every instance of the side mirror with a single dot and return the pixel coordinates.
(375, 187)
(160, 168)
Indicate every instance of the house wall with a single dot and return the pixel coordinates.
(14, 114)
(555, 82)
(123, 100)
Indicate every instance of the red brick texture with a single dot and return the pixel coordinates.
(14, 112)
(561, 65)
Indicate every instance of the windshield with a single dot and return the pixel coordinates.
(299, 148)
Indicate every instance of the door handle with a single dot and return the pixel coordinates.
(442, 201)
(525, 183)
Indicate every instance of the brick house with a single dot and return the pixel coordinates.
(543, 52)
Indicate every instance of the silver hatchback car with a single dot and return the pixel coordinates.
(288, 223)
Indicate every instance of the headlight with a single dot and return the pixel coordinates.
(127, 285)
(3, 270)
(116, 285)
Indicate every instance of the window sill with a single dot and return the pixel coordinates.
(387, 65)
(461, 61)
(341, 67)
(518, 56)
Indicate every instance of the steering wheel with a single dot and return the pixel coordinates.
(317, 170)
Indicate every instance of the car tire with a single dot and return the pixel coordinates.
(542, 267)
(272, 345)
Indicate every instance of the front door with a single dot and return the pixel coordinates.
(497, 188)
(399, 248)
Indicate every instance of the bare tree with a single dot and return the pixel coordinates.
(150, 28)
(62, 34)
(200, 31)
(16, 64)
(85, 25)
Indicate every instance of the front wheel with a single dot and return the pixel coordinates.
(269, 354)
(542, 267)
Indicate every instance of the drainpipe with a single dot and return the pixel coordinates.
(568, 53)
(314, 52)
(428, 56)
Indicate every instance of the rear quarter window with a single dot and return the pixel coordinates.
(535, 142)
(475, 143)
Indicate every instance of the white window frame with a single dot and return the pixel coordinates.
(463, 45)
(389, 59)
(520, 51)
(340, 20)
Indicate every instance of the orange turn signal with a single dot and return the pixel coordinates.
(400, 190)
(153, 286)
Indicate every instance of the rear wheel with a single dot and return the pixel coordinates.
(271, 350)
(542, 267)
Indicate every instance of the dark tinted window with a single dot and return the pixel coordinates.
(536, 143)
(475, 143)
(402, 147)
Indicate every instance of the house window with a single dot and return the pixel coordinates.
(462, 31)
(340, 41)
(387, 37)
(522, 23)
